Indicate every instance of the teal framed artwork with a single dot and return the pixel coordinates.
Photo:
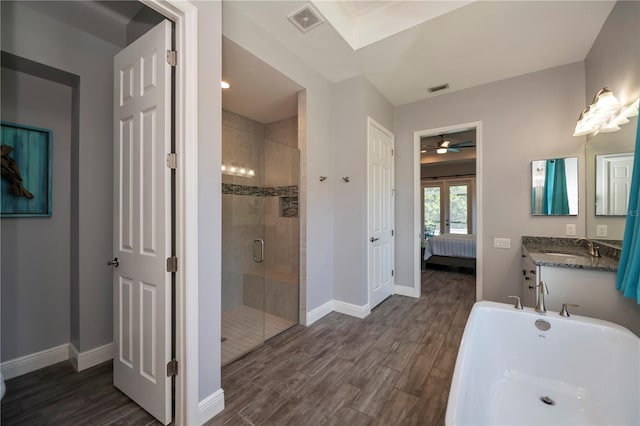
(25, 189)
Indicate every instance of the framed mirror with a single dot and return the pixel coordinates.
(613, 183)
(554, 187)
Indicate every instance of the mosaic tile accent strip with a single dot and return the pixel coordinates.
(269, 191)
(233, 189)
(281, 191)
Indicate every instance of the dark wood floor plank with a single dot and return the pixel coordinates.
(398, 407)
(371, 400)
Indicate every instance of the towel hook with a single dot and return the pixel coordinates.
(345, 178)
(323, 178)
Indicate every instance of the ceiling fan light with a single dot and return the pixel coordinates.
(441, 150)
(445, 144)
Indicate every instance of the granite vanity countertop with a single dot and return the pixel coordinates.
(577, 257)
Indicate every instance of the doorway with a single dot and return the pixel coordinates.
(260, 203)
(447, 206)
(88, 342)
(448, 197)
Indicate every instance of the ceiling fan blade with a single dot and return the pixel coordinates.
(465, 144)
(453, 149)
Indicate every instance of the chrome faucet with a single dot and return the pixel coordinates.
(540, 306)
(591, 249)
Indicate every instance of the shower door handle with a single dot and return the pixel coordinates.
(255, 258)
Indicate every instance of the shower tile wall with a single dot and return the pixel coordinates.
(242, 216)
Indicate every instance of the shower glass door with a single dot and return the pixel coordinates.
(260, 232)
(243, 233)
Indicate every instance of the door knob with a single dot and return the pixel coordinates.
(373, 240)
(114, 262)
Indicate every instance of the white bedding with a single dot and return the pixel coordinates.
(452, 245)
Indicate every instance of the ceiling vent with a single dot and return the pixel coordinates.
(306, 18)
(438, 88)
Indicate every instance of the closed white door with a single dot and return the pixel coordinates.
(619, 176)
(142, 222)
(380, 212)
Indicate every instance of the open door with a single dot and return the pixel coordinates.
(380, 212)
(142, 222)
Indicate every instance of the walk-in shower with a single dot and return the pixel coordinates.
(260, 231)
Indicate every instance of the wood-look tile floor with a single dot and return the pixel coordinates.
(391, 368)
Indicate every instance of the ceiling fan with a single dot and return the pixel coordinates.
(444, 146)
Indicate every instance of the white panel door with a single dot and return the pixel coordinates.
(619, 176)
(142, 222)
(380, 213)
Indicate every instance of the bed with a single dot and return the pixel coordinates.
(451, 250)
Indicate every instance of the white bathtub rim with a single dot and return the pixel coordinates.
(454, 390)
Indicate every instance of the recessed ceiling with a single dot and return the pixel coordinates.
(479, 43)
(362, 23)
(258, 91)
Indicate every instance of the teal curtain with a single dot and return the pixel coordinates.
(628, 281)
(555, 199)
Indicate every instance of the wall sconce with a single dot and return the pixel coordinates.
(605, 114)
(235, 170)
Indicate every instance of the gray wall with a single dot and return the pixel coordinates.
(352, 101)
(35, 251)
(613, 62)
(32, 35)
(209, 195)
(523, 119)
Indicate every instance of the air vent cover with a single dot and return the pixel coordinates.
(306, 18)
(438, 88)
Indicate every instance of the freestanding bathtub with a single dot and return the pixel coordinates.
(510, 371)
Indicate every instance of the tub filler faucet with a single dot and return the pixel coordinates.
(540, 306)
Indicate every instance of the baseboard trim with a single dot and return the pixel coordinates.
(210, 406)
(35, 361)
(405, 291)
(317, 313)
(351, 309)
(83, 360)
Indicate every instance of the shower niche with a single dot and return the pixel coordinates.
(260, 231)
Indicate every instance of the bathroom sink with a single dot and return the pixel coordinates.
(563, 254)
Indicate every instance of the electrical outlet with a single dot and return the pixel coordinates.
(601, 230)
(571, 229)
(503, 243)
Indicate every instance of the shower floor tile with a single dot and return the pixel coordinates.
(245, 328)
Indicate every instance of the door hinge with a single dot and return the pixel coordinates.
(172, 57)
(392, 232)
(172, 368)
(392, 151)
(172, 264)
(172, 160)
(392, 272)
